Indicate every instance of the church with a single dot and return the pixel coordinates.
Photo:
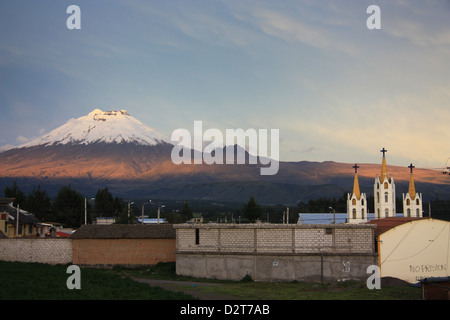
(384, 197)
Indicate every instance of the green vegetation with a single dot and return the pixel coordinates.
(34, 281)
(68, 207)
(246, 289)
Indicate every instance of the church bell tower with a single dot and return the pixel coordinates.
(384, 192)
(356, 202)
(412, 201)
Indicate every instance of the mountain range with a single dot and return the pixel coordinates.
(114, 149)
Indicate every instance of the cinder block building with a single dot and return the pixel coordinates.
(274, 252)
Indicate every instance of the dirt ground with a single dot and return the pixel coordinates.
(188, 288)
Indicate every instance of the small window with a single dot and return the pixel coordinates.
(328, 230)
(197, 236)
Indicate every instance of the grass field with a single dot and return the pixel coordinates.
(32, 281)
(250, 290)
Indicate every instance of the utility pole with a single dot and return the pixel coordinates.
(17, 221)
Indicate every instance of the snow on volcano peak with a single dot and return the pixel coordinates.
(115, 126)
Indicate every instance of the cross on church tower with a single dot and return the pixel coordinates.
(411, 167)
(356, 168)
(384, 151)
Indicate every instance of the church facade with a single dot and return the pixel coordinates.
(384, 197)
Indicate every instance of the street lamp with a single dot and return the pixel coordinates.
(143, 204)
(334, 214)
(129, 204)
(159, 211)
(85, 209)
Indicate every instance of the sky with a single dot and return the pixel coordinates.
(334, 88)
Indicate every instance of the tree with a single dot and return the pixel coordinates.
(252, 211)
(186, 212)
(69, 207)
(17, 194)
(124, 217)
(104, 203)
(38, 203)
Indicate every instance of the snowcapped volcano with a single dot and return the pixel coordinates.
(101, 126)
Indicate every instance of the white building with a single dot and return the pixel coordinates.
(356, 202)
(384, 192)
(412, 201)
(412, 249)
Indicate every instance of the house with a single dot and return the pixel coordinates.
(123, 244)
(275, 252)
(412, 248)
(15, 222)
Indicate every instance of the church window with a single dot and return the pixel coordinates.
(417, 201)
(362, 213)
(386, 213)
(378, 185)
(407, 202)
(417, 212)
(386, 197)
(386, 185)
(378, 197)
(362, 201)
(378, 213)
(354, 213)
(354, 202)
(408, 212)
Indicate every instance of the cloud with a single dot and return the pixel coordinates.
(22, 139)
(308, 150)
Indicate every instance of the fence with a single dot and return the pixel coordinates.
(51, 251)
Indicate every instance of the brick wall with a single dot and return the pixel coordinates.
(271, 238)
(51, 251)
(123, 251)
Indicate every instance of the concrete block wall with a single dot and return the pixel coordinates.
(51, 251)
(275, 238)
(271, 267)
(275, 252)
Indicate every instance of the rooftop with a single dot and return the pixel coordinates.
(125, 231)
(385, 224)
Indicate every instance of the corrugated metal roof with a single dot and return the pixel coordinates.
(125, 231)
